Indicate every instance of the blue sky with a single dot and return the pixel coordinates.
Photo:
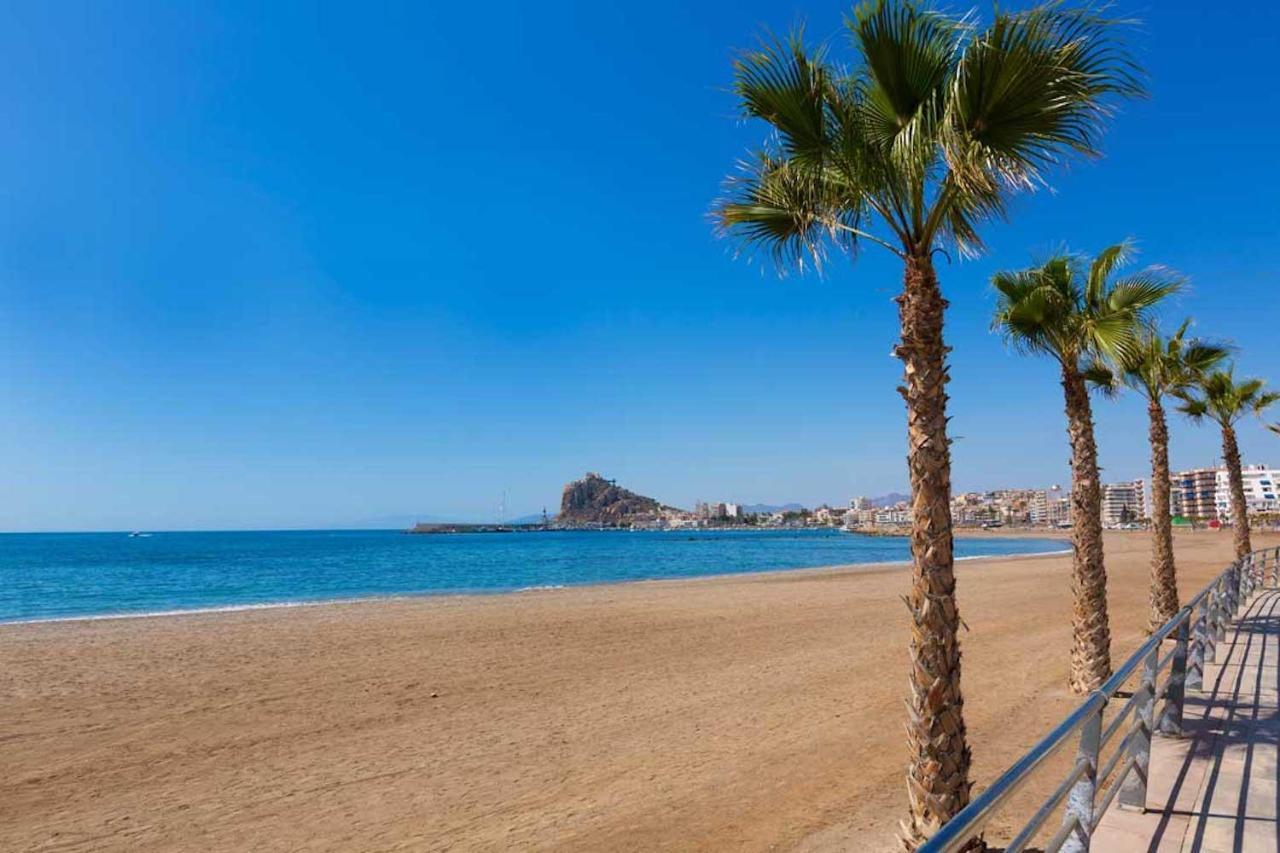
(267, 265)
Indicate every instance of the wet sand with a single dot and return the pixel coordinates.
(757, 712)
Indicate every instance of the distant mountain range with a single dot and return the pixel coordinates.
(765, 509)
(883, 500)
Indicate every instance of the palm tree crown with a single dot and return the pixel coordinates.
(936, 124)
(1157, 367)
(1078, 313)
(1219, 397)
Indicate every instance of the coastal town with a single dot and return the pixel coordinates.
(1199, 497)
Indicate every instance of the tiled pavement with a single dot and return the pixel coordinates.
(1215, 790)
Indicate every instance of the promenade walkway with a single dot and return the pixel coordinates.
(1216, 789)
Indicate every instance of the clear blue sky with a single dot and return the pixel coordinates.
(272, 265)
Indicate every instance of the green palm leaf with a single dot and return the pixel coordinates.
(1078, 312)
(925, 135)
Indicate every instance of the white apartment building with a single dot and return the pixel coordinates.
(1260, 492)
(1051, 507)
(893, 516)
(1123, 502)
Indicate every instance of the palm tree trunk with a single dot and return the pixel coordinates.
(1164, 579)
(1091, 640)
(938, 774)
(1239, 510)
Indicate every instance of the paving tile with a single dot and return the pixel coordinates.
(1215, 789)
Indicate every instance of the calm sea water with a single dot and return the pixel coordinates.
(93, 574)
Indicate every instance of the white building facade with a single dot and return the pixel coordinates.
(1260, 494)
(1123, 502)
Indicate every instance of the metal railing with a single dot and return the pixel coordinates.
(1084, 794)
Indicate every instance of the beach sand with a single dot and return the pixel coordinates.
(759, 712)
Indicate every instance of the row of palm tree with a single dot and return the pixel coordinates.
(1099, 329)
(927, 130)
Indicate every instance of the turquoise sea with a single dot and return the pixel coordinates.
(61, 575)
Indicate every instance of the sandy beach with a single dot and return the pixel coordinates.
(759, 712)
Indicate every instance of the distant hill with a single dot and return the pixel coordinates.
(765, 509)
(890, 499)
(593, 501)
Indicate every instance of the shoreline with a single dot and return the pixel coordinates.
(747, 712)
(447, 595)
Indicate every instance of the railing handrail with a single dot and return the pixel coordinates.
(974, 817)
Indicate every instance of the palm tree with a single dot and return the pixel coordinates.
(1078, 314)
(936, 124)
(1156, 368)
(1220, 398)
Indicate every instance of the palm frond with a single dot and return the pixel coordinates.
(1218, 395)
(1104, 264)
(786, 86)
(1032, 86)
(1079, 314)
(1194, 408)
(785, 210)
(1102, 379)
(910, 54)
(1264, 401)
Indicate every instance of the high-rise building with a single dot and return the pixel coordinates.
(1123, 502)
(1198, 491)
(1260, 492)
(1176, 506)
(1050, 507)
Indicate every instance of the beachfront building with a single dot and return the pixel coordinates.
(1260, 493)
(1176, 506)
(859, 503)
(1198, 492)
(1050, 507)
(1123, 503)
(898, 514)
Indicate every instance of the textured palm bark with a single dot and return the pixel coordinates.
(938, 776)
(1091, 640)
(1164, 578)
(1239, 512)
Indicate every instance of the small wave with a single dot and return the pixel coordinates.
(188, 611)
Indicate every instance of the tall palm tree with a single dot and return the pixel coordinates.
(937, 122)
(1078, 314)
(1157, 368)
(1219, 397)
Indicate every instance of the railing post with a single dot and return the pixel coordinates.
(1133, 790)
(1080, 799)
(1233, 590)
(1175, 692)
(1221, 616)
(1211, 624)
(1199, 636)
